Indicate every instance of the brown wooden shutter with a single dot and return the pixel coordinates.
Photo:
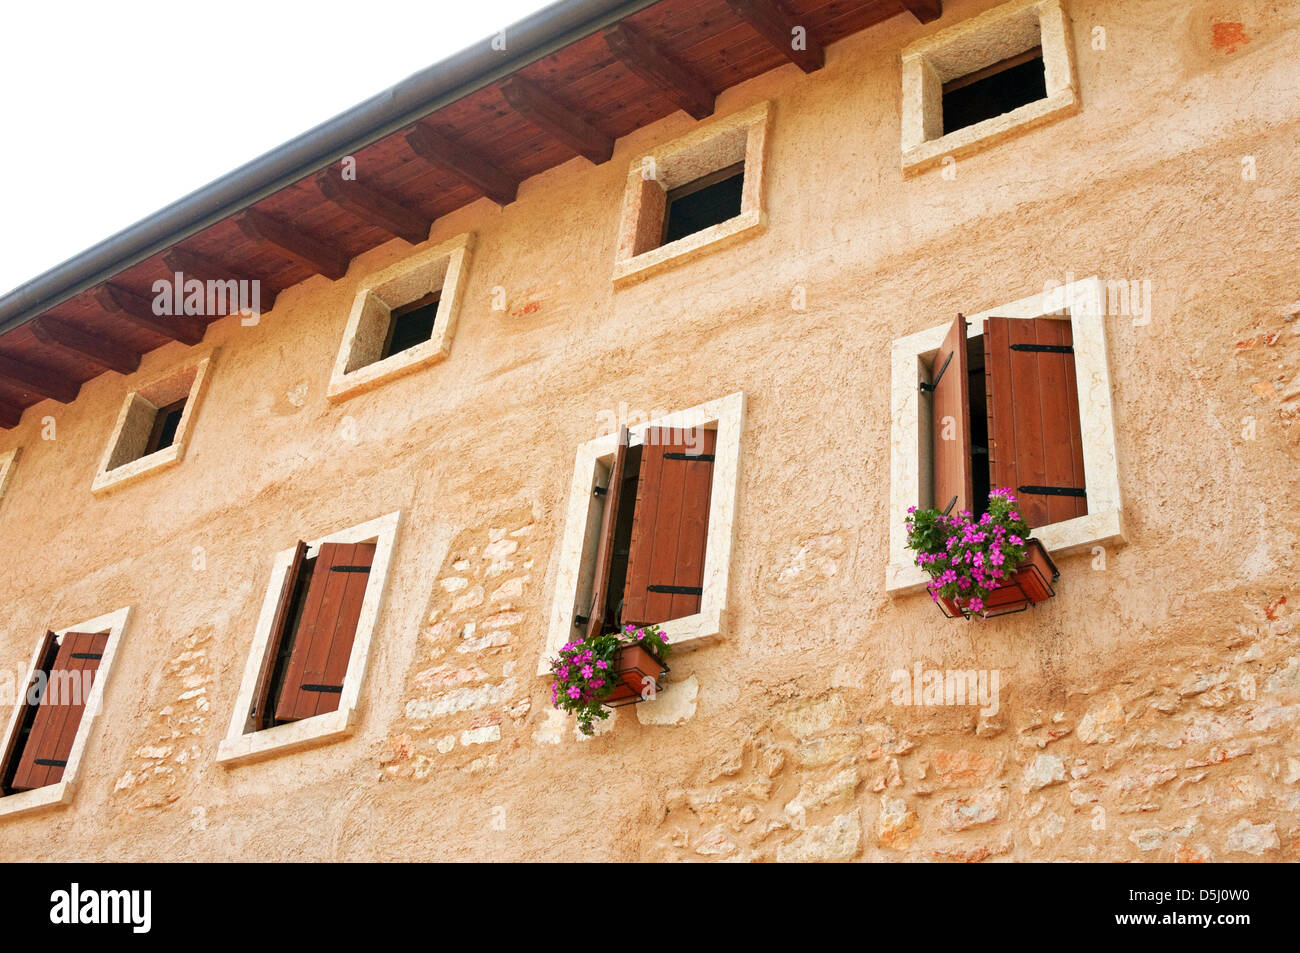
(605, 548)
(262, 693)
(949, 388)
(318, 662)
(665, 572)
(45, 755)
(28, 706)
(1035, 442)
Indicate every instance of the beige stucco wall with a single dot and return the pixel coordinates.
(1163, 689)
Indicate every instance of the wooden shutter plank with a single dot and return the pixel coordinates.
(605, 547)
(640, 548)
(694, 536)
(666, 531)
(262, 691)
(55, 727)
(1034, 427)
(339, 653)
(288, 703)
(23, 725)
(950, 398)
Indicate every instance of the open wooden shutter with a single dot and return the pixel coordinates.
(1035, 442)
(262, 701)
(949, 389)
(29, 704)
(54, 728)
(605, 548)
(318, 662)
(665, 571)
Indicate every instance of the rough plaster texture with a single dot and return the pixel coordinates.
(1161, 686)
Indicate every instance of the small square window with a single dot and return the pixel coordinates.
(308, 659)
(403, 318)
(154, 426)
(697, 193)
(50, 727)
(981, 81)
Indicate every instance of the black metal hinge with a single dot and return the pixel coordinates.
(706, 457)
(938, 377)
(678, 590)
(88, 655)
(51, 763)
(1052, 490)
(1045, 348)
(581, 620)
(326, 689)
(349, 569)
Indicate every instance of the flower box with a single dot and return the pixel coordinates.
(635, 668)
(1030, 584)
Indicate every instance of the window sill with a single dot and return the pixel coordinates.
(138, 469)
(990, 132)
(283, 739)
(366, 378)
(41, 799)
(685, 249)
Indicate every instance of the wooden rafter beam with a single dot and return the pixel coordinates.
(557, 120)
(193, 265)
(10, 416)
(647, 60)
(297, 244)
(139, 311)
(927, 11)
(373, 208)
(469, 167)
(98, 350)
(38, 380)
(794, 40)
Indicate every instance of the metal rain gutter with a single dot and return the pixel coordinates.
(534, 37)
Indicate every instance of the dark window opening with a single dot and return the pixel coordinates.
(994, 90)
(266, 719)
(28, 718)
(705, 202)
(979, 426)
(165, 423)
(623, 539)
(410, 325)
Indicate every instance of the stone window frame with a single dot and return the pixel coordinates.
(974, 44)
(576, 568)
(60, 794)
(443, 268)
(710, 148)
(121, 463)
(1082, 303)
(242, 745)
(8, 459)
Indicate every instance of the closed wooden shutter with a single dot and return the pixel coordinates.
(318, 662)
(29, 704)
(1035, 441)
(45, 755)
(605, 548)
(949, 388)
(665, 573)
(262, 700)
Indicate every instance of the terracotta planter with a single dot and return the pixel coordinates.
(1028, 585)
(634, 667)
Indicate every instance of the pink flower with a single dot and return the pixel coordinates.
(574, 692)
(587, 671)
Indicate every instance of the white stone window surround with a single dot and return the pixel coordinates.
(711, 147)
(242, 745)
(1082, 303)
(7, 460)
(57, 795)
(573, 579)
(972, 45)
(122, 463)
(443, 268)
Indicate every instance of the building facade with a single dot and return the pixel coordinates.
(1147, 711)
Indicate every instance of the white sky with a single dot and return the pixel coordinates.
(112, 110)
